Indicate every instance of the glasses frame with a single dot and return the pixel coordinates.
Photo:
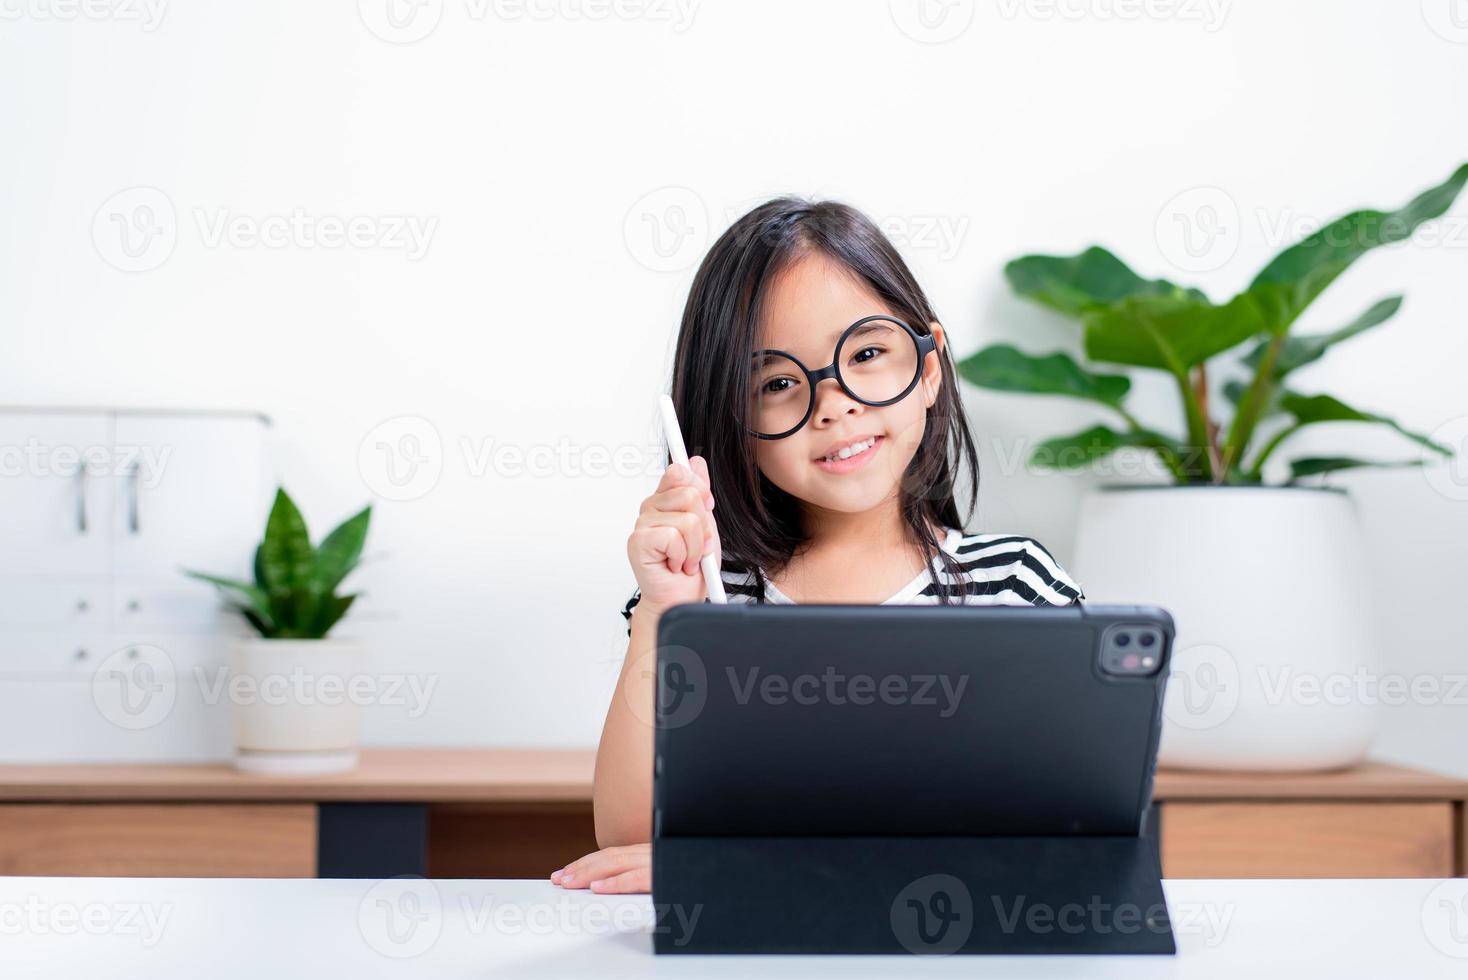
(925, 344)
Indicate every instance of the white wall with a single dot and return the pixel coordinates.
(525, 138)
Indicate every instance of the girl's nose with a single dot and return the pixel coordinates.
(832, 401)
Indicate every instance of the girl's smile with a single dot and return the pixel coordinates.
(849, 454)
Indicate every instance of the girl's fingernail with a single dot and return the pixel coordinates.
(556, 875)
(594, 883)
(708, 546)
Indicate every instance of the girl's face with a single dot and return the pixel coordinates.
(807, 307)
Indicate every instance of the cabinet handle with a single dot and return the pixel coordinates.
(81, 498)
(132, 499)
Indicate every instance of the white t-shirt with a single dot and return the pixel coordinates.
(995, 570)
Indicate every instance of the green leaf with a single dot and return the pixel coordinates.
(263, 625)
(286, 561)
(1079, 450)
(1005, 368)
(339, 552)
(1312, 409)
(1292, 281)
(1314, 465)
(331, 612)
(246, 593)
(1296, 352)
(1234, 391)
(1169, 333)
(1078, 284)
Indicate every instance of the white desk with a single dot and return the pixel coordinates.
(158, 928)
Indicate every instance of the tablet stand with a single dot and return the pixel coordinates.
(919, 895)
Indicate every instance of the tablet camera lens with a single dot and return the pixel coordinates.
(1131, 650)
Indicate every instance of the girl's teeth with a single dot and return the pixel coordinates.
(850, 451)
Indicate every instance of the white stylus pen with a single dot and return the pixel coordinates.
(674, 437)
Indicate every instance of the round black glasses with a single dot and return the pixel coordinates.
(877, 361)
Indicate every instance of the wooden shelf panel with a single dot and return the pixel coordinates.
(211, 840)
(1372, 780)
(385, 775)
(1308, 840)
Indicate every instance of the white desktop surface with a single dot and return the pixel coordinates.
(273, 929)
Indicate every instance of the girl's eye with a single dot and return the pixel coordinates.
(774, 385)
(859, 359)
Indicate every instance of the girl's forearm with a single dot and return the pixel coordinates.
(622, 793)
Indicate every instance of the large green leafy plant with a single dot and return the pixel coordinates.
(294, 592)
(1154, 324)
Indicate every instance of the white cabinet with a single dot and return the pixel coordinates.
(107, 651)
(52, 511)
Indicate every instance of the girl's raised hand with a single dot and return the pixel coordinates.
(675, 529)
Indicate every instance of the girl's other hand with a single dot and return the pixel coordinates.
(610, 871)
(675, 529)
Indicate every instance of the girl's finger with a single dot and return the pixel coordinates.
(674, 547)
(701, 468)
(607, 862)
(678, 499)
(681, 500)
(626, 883)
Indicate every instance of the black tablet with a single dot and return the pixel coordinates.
(908, 779)
(913, 720)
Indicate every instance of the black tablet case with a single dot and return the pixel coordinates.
(1012, 818)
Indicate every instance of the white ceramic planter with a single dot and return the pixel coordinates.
(292, 703)
(1274, 666)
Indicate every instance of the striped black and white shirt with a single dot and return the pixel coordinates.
(995, 570)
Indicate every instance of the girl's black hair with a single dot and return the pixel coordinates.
(759, 524)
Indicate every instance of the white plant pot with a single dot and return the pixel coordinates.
(1274, 665)
(294, 713)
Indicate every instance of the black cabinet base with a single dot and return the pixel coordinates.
(371, 840)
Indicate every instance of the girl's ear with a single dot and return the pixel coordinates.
(933, 366)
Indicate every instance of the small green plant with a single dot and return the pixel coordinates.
(1155, 324)
(294, 592)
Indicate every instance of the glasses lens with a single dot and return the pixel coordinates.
(780, 394)
(878, 360)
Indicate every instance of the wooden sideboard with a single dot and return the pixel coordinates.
(513, 813)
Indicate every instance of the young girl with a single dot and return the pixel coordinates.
(832, 488)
